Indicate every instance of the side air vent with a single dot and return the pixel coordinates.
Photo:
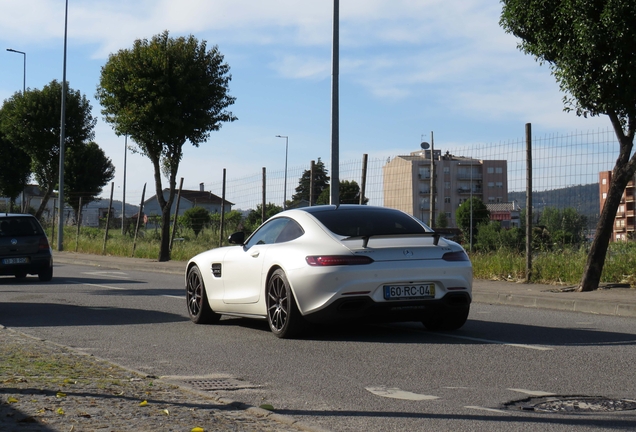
(216, 270)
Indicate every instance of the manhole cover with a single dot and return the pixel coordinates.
(212, 384)
(572, 404)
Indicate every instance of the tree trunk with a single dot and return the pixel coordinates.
(45, 201)
(622, 173)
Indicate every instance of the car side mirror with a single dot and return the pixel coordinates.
(237, 238)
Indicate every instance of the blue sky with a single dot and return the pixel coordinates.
(407, 67)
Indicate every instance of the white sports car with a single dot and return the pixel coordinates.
(326, 264)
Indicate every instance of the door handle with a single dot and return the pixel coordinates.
(255, 254)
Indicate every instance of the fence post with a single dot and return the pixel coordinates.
(263, 209)
(176, 214)
(528, 202)
(363, 180)
(141, 209)
(222, 211)
(110, 205)
(312, 169)
(79, 223)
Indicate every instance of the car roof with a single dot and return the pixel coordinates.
(345, 207)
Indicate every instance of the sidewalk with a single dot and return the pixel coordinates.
(606, 301)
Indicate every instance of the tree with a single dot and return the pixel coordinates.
(87, 170)
(442, 220)
(480, 214)
(590, 49)
(31, 122)
(196, 218)
(565, 226)
(254, 218)
(15, 170)
(321, 181)
(349, 193)
(163, 92)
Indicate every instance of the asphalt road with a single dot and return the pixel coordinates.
(374, 378)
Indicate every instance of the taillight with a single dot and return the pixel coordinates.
(44, 244)
(455, 256)
(336, 260)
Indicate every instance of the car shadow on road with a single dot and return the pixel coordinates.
(474, 332)
(18, 314)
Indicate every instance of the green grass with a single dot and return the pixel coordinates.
(553, 267)
(557, 267)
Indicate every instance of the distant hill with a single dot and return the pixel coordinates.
(583, 198)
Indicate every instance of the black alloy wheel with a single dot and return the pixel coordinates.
(197, 301)
(283, 315)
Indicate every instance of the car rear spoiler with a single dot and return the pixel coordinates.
(365, 239)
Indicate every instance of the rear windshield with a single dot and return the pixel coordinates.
(366, 222)
(19, 227)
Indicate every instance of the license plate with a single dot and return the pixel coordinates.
(416, 291)
(15, 261)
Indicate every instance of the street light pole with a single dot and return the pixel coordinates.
(23, 70)
(60, 230)
(285, 183)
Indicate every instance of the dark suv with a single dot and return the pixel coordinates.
(24, 248)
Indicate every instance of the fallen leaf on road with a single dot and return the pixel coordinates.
(144, 403)
(60, 395)
(197, 429)
(60, 411)
(12, 400)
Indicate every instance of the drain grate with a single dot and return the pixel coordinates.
(572, 404)
(212, 384)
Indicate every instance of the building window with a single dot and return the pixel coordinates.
(499, 199)
(491, 199)
(499, 184)
(490, 170)
(604, 195)
(447, 185)
(491, 184)
(499, 170)
(447, 200)
(604, 181)
(448, 215)
(446, 170)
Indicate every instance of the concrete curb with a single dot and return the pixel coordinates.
(571, 305)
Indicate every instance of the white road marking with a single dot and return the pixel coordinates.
(396, 393)
(533, 347)
(105, 286)
(533, 392)
(110, 274)
(487, 409)
(176, 297)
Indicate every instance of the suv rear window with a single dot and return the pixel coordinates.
(19, 227)
(353, 222)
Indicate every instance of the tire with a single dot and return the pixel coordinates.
(46, 275)
(197, 300)
(452, 320)
(283, 315)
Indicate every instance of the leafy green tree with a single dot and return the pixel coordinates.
(480, 215)
(87, 170)
(492, 237)
(442, 220)
(349, 193)
(254, 218)
(589, 46)
(196, 218)
(31, 122)
(566, 226)
(15, 170)
(321, 181)
(163, 92)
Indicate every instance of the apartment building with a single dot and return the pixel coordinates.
(407, 183)
(624, 222)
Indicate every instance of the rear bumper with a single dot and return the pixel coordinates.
(364, 308)
(37, 264)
